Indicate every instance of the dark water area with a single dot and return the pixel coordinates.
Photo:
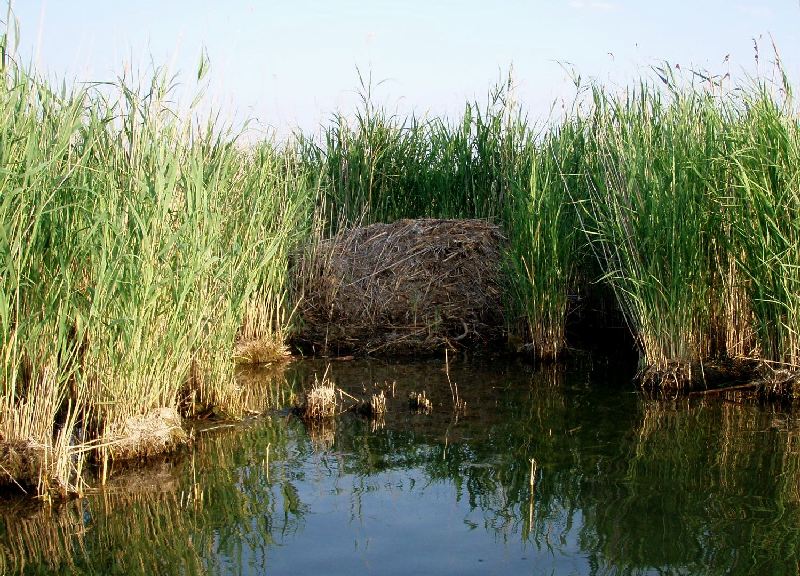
(623, 484)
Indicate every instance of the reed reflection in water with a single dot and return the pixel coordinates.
(623, 484)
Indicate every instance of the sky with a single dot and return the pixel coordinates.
(291, 64)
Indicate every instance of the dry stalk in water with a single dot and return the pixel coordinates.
(459, 405)
(420, 403)
(320, 402)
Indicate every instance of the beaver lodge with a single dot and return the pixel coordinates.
(410, 287)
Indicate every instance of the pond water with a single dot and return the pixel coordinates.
(621, 484)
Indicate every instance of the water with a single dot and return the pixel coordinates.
(623, 484)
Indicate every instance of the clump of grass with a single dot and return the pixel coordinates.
(373, 408)
(653, 219)
(778, 382)
(260, 351)
(543, 258)
(377, 404)
(420, 403)
(156, 432)
(320, 401)
(764, 162)
(138, 247)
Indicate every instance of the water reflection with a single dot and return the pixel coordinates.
(623, 485)
(709, 486)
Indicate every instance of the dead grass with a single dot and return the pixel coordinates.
(320, 402)
(377, 404)
(779, 381)
(22, 463)
(260, 351)
(710, 374)
(420, 403)
(375, 407)
(155, 432)
(413, 286)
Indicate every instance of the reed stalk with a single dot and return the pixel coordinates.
(137, 247)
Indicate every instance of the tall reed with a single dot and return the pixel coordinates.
(142, 250)
(653, 218)
(137, 248)
(378, 166)
(544, 242)
(764, 160)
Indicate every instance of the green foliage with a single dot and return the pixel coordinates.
(141, 250)
(544, 241)
(652, 215)
(135, 247)
(764, 153)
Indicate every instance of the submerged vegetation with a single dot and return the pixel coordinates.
(143, 252)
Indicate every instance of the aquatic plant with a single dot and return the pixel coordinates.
(763, 147)
(653, 219)
(320, 400)
(143, 251)
(545, 254)
(137, 248)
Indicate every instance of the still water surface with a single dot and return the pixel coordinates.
(623, 484)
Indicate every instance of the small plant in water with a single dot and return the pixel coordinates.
(420, 403)
(377, 404)
(320, 402)
(375, 407)
(459, 404)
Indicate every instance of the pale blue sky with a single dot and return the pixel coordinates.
(291, 63)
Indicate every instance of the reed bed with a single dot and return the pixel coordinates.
(691, 211)
(653, 220)
(144, 252)
(490, 164)
(138, 247)
(677, 194)
(545, 249)
(764, 152)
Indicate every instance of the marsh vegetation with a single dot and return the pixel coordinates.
(624, 484)
(143, 252)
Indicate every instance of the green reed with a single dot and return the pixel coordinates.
(142, 251)
(137, 247)
(377, 166)
(544, 242)
(644, 180)
(764, 163)
(653, 217)
(692, 215)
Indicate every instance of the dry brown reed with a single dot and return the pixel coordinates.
(155, 432)
(420, 403)
(375, 407)
(320, 402)
(403, 288)
(377, 404)
(778, 381)
(260, 351)
(459, 404)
